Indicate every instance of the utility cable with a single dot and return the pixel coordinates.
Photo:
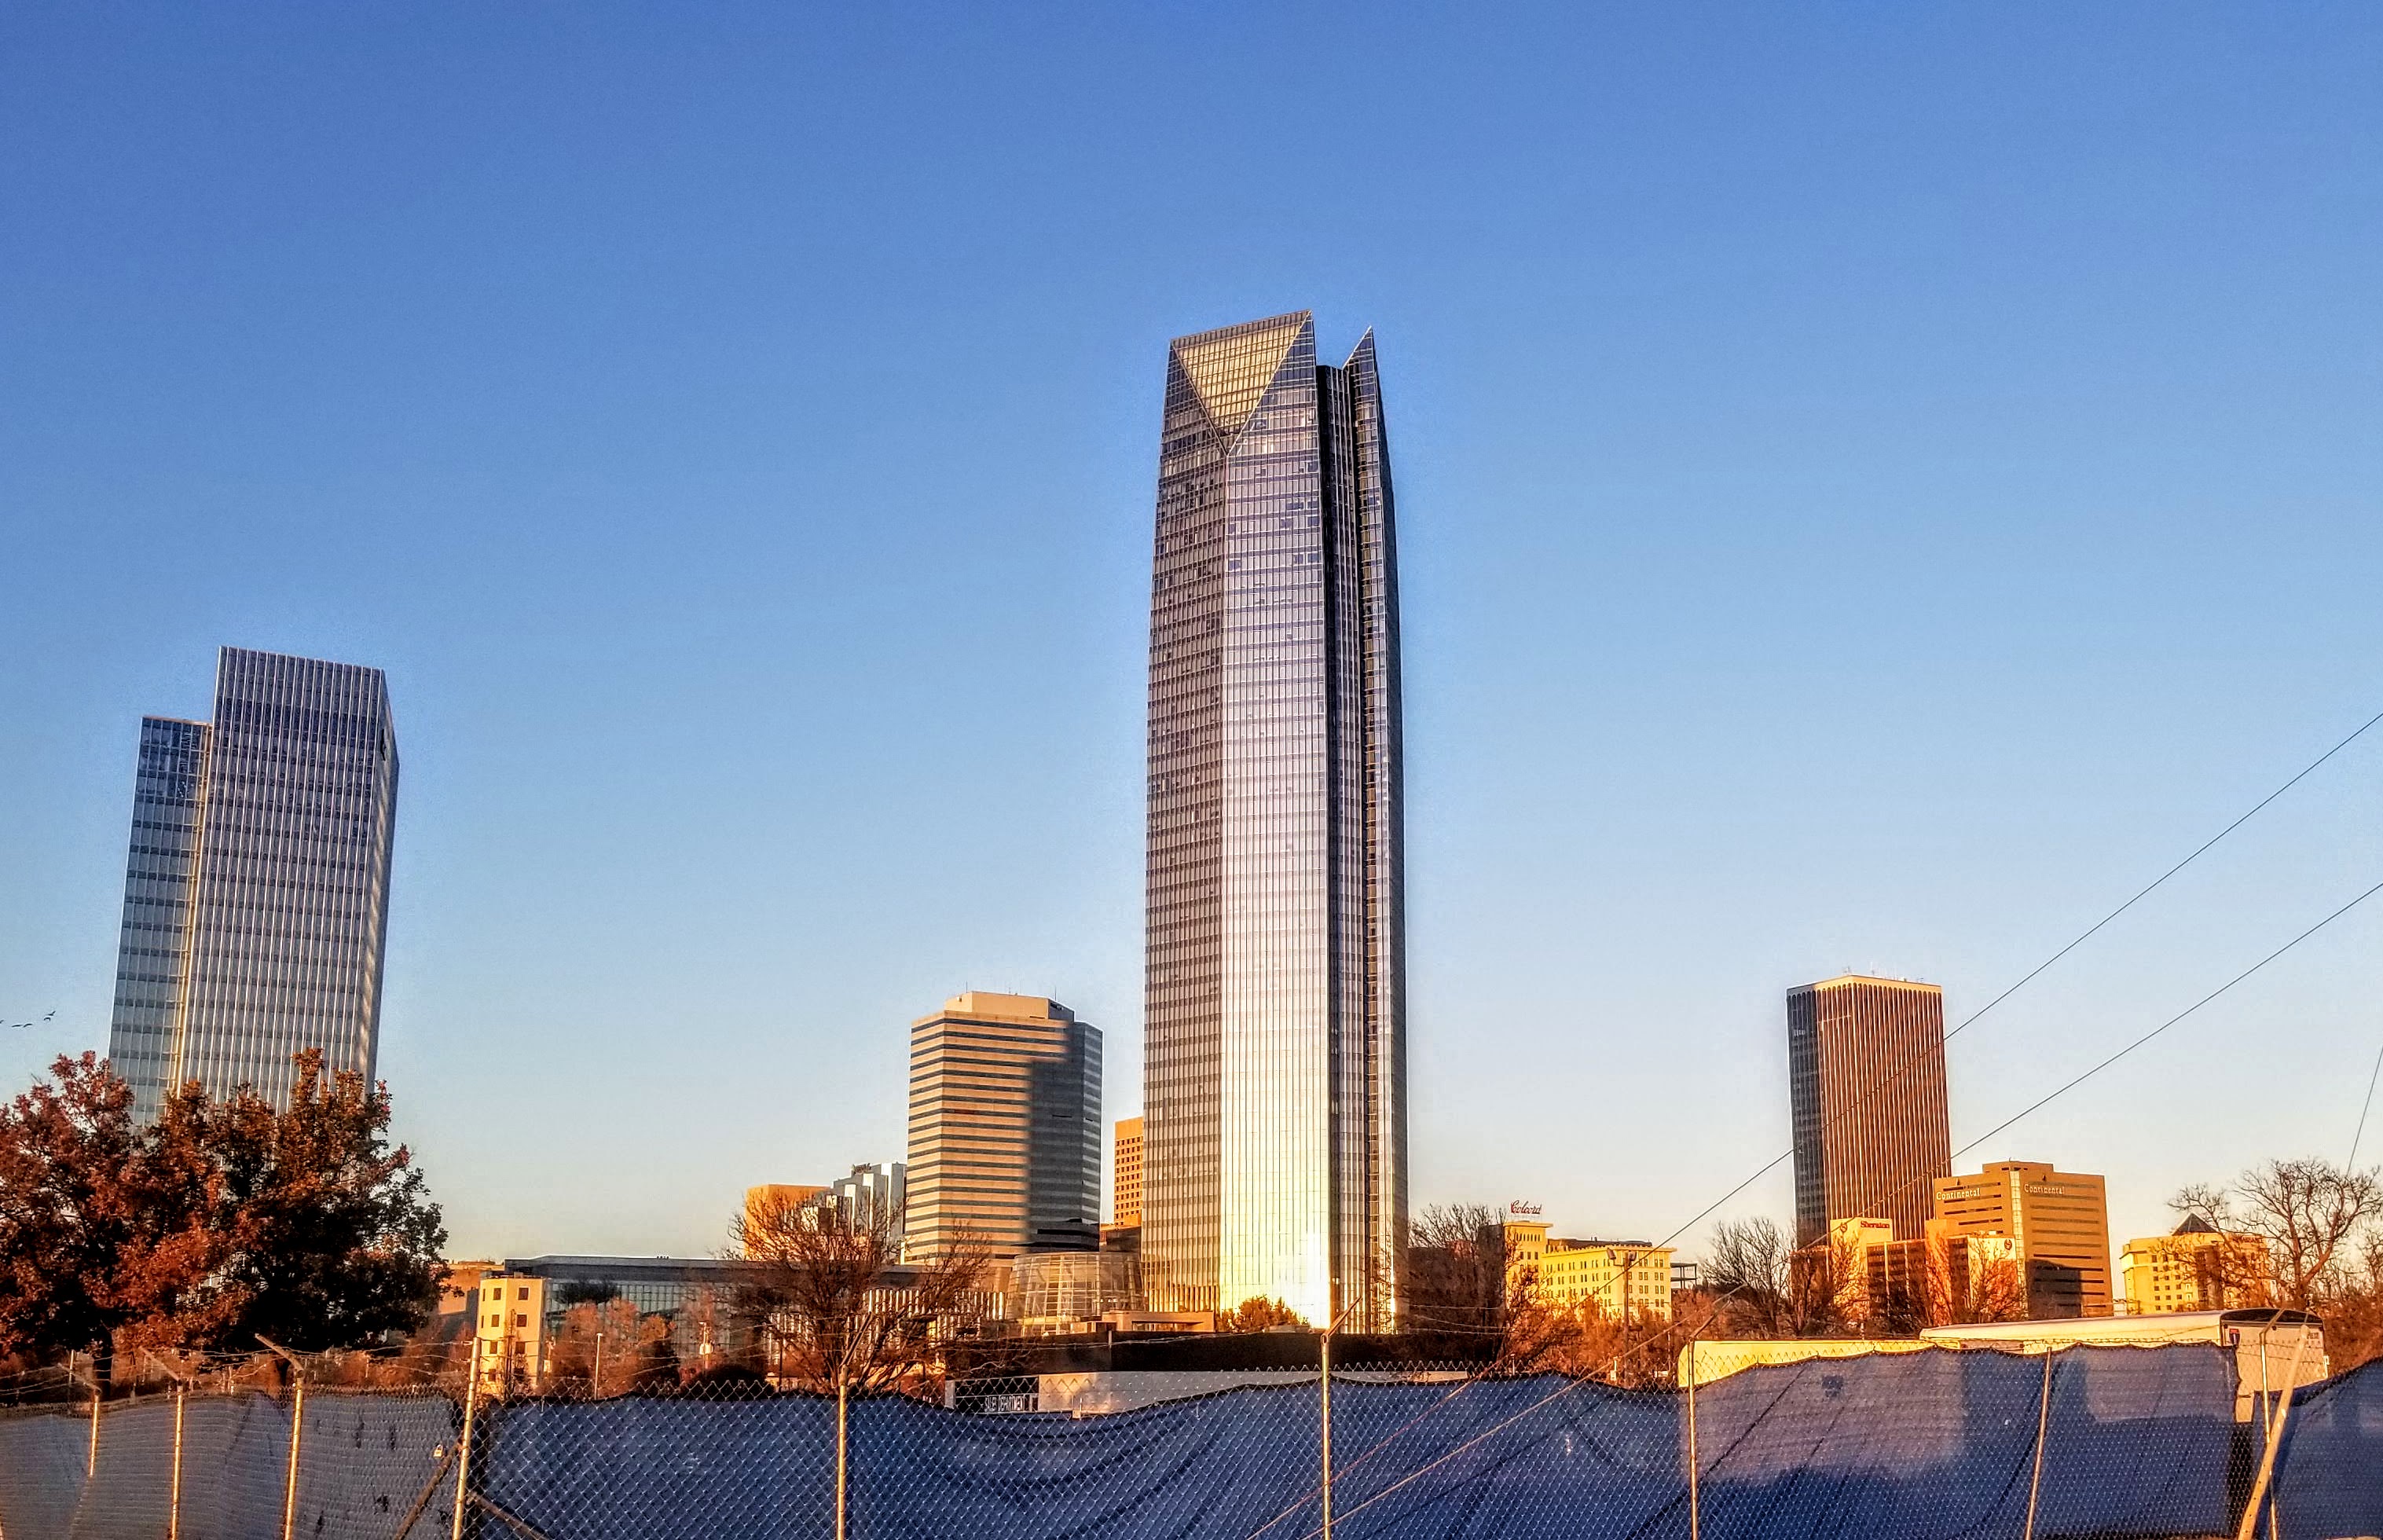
(1937, 1049)
(2364, 1107)
(2080, 1078)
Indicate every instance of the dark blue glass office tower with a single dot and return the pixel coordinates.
(256, 895)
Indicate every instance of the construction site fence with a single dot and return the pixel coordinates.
(2085, 1441)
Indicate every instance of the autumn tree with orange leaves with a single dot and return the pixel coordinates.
(225, 1223)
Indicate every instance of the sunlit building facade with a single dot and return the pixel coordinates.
(1005, 1130)
(2060, 1221)
(1125, 1174)
(1274, 1093)
(1866, 1077)
(1622, 1280)
(2197, 1266)
(256, 894)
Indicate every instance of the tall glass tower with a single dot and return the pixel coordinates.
(1274, 1096)
(257, 897)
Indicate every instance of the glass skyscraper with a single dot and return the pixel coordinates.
(1275, 1094)
(256, 895)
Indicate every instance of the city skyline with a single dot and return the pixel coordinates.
(1274, 1155)
(256, 890)
(1888, 493)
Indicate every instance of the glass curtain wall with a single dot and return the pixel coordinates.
(1273, 1163)
(267, 832)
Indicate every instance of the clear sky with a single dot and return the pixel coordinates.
(1878, 484)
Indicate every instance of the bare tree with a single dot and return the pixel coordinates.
(1828, 1285)
(609, 1346)
(1456, 1270)
(1765, 1287)
(2353, 1319)
(2309, 1213)
(1747, 1270)
(838, 1309)
(1993, 1289)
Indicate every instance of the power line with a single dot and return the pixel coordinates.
(1772, 1164)
(2162, 877)
(2352, 1164)
(2079, 1079)
(1936, 1050)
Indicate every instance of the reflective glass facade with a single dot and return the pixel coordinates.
(257, 897)
(152, 951)
(1275, 1155)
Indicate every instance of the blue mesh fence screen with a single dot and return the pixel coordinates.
(2331, 1476)
(2138, 1441)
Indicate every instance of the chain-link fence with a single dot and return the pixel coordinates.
(2085, 1441)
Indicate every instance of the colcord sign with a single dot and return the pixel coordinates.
(1520, 1208)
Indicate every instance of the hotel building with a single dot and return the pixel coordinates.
(2196, 1267)
(1624, 1279)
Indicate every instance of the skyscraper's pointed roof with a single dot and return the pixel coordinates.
(1230, 368)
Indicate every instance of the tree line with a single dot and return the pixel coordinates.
(2300, 1234)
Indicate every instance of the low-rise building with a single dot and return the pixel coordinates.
(461, 1286)
(2274, 1351)
(2197, 1266)
(1068, 1293)
(1118, 1372)
(1626, 1279)
(514, 1332)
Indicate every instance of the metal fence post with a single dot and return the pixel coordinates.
(91, 1460)
(839, 1452)
(297, 1436)
(2043, 1426)
(1696, 1519)
(174, 1492)
(1324, 1350)
(464, 1445)
(2275, 1440)
(297, 1432)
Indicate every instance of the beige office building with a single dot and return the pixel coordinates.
(511, 1325)
(1004, 1128)
(2197, 1267)
(1124, 1205)
(2060, 1221)
(1866, 1079)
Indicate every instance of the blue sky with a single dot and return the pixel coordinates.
(1878, 484)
